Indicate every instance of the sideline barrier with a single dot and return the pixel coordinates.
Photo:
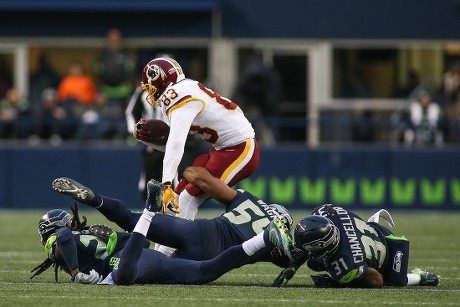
(26, 173)
(359, 178)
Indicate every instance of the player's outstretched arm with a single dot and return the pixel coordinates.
(214, 187)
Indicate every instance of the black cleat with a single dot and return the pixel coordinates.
(74, 189)
(101, 231)
(154, 199)
(427, 278)
(280, 237)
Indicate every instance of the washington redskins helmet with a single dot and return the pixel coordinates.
(157, 75)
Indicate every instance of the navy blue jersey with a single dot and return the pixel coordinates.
(361, 245)
(246, 217)
(91, 251)
(202, 239)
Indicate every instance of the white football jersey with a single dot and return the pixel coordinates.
(220, 121)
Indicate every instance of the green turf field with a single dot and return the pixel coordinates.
(435, 245)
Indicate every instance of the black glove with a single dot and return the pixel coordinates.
(279, 258)
(285, 276)
(325, 281)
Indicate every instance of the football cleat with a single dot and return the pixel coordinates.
(427, 278)
(74, 189)
(279, 236)
(101, 231)
(154, 199)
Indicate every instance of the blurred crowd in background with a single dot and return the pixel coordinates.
(89, 102)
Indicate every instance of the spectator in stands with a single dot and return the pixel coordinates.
(114, 69)
(55, 120)
(424, 121)
(259, 93)
(77, 86)
(451, 83)
(14, 115)
(78, 90)
(42, 78)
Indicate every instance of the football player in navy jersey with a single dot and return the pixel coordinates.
(90, 254)
(245, 216)
(353, 252)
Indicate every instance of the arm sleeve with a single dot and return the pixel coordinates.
(181, 120)
(68, 247)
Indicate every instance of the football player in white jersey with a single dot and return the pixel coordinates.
(190, 107)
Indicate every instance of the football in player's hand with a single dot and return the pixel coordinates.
(152, 131)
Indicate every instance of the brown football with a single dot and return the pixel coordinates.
(153, 131)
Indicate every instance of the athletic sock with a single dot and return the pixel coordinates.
(413, 279)
(164, 249)
(254, 244)
(188, 205)
(143, 224)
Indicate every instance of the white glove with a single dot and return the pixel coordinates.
(92, 277)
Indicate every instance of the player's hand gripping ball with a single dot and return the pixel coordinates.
(151, 132)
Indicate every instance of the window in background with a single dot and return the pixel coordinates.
(386, 73)
(6, 73)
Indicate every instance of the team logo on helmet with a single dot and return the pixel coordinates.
(153, 73)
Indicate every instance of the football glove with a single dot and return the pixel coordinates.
(285, 276)
(142, 135)
(325, 281)
(279, 258)
(92, 277)
(169, 199)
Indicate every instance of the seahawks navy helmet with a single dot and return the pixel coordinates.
(316, 235)
(51, 222)
(282, 213)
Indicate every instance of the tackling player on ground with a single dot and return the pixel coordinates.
(246, 215)
(88, 255)
(353, 252)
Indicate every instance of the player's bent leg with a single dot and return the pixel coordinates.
(171, 231)
(188, 205)
(236, 256)
(113, 209)
(126, 273)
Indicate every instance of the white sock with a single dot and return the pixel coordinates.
(188, 205)
(254, 244)
(413, 279)
(143, 225)
(164, 249)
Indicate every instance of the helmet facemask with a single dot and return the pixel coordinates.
(151, 91)
(153, 79)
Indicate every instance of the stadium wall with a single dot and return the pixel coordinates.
(357, 178)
